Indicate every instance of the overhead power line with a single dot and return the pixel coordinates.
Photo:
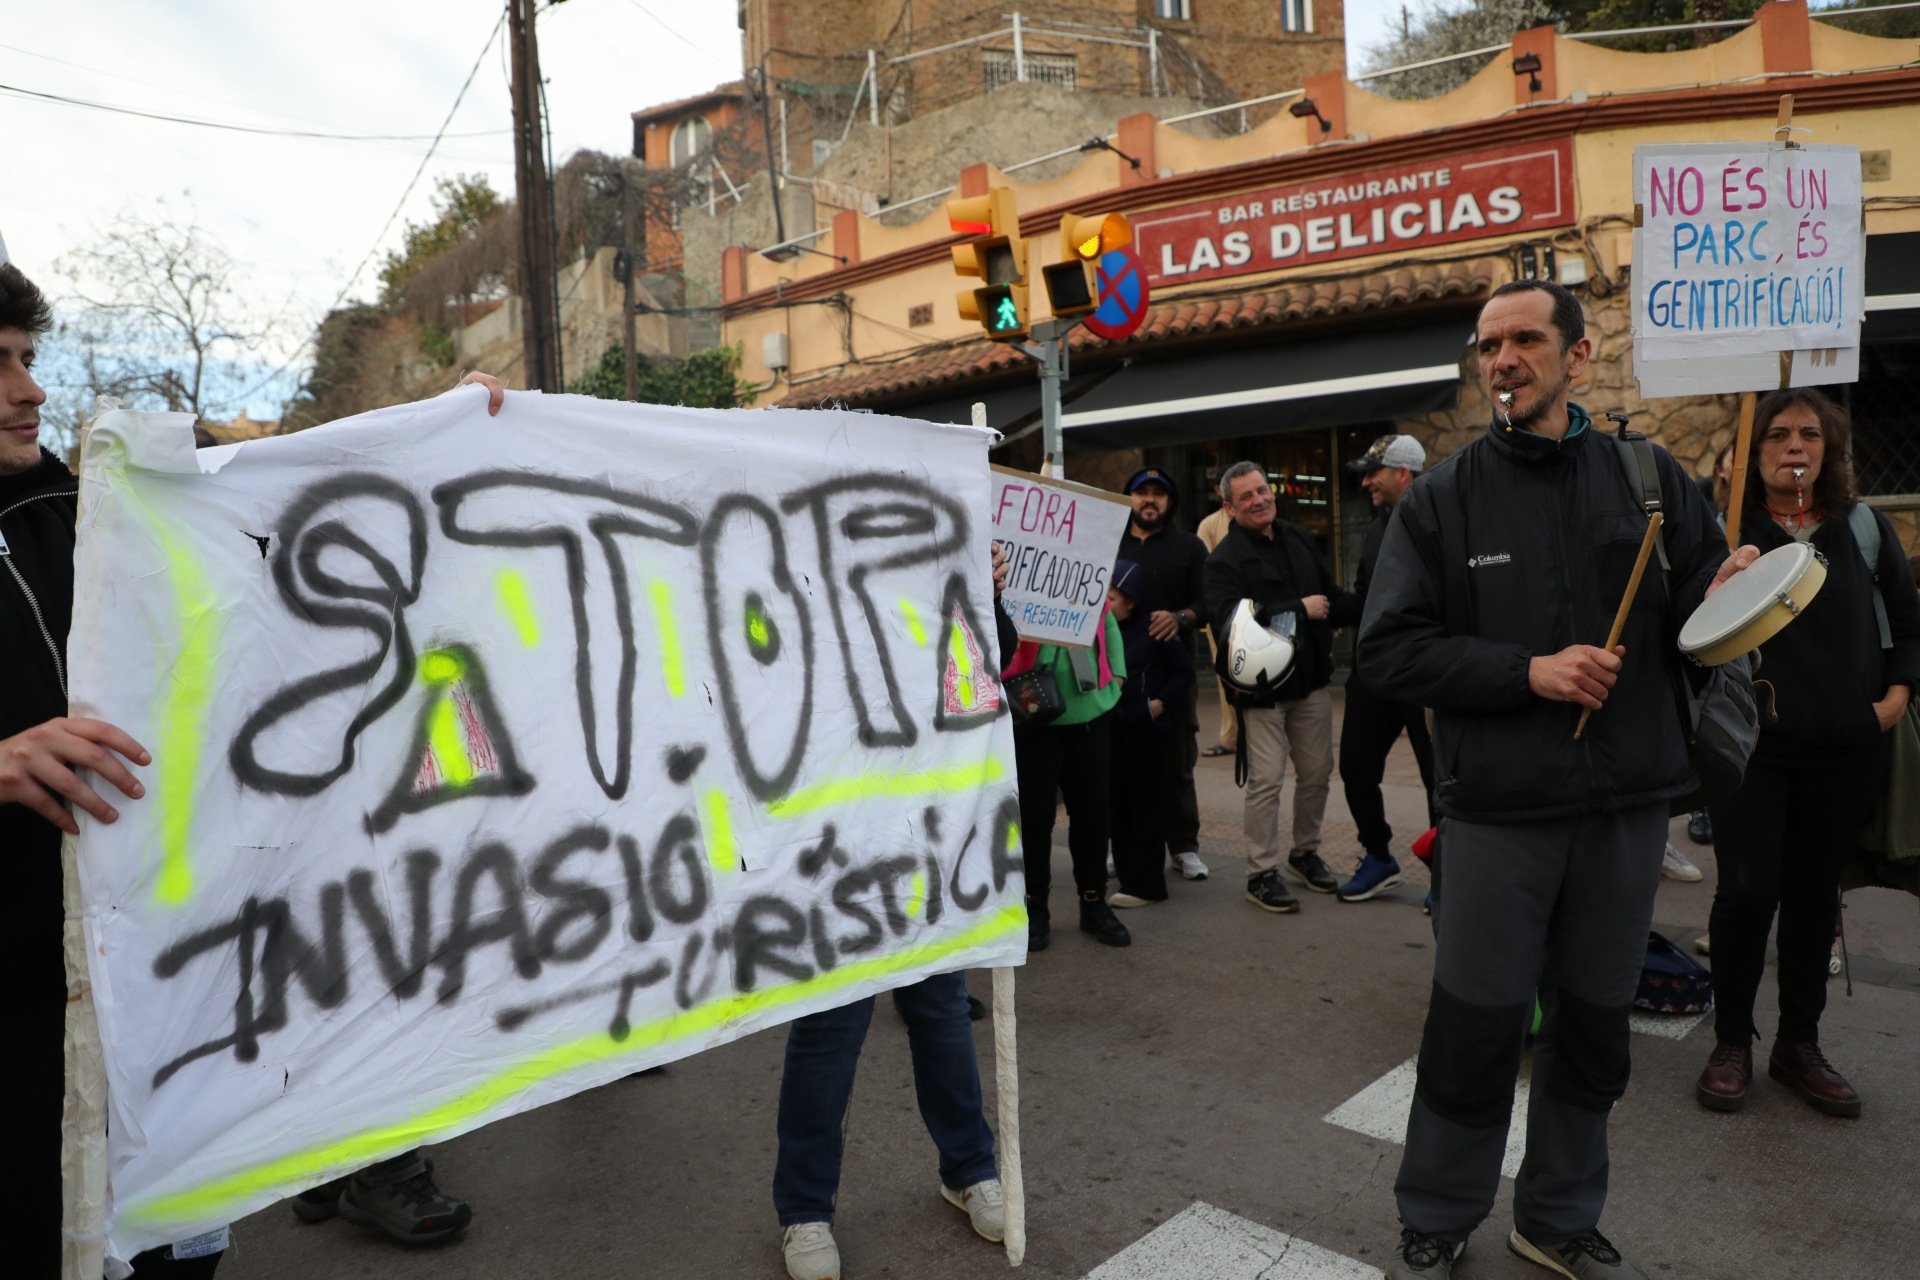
(230, 127)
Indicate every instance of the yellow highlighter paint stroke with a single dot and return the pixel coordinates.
(232, 1193)
(911, 616)
(873, 786)
(721, 851)
(671, 664)
(510, 586)
(182, 718)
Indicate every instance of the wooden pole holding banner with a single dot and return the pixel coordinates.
(1006, 1078)
(83, 1117)
(1743, 432)
(1626, 602)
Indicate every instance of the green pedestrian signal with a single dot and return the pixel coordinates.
(1003, 310)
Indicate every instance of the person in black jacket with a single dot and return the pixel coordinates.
(1275, 564)
(1372, 724)
(1498, 580)
(1839, 685)
(1146, 740)
(1172, 562)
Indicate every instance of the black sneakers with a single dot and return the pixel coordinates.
(398, 1198)
(1422, 1257)
(1308, 869)
(1266, 891)
(1589, 1256)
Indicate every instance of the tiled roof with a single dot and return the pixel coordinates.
(680, 106)
(1174, 319)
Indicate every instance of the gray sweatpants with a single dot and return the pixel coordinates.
(1562, 908)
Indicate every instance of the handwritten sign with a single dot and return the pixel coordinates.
(1744, 253)
(1059, 539)
(497, 758)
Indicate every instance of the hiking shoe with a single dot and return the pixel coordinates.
(1700, 827)
(1097, 918)
(985, 1206)
(319, 1204)
(1308, 869)
(810, 1252)
(1190, 867)
(1801, 1066)
(1585, 1257)
(1674, 866)
(1039, 929)
(1722, 1085)
(1424, 1257)
(1265, 890)
(408, 1207)
(1376, 874)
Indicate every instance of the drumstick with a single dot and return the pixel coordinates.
(1626, 603)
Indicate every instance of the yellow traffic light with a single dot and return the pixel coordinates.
(996, 256)
(1086, 237)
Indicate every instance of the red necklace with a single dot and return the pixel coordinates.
(1795, 521)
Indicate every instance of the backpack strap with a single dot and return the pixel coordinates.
(1866, 535)
(1643, 477)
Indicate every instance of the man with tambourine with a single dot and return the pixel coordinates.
(1500, 569)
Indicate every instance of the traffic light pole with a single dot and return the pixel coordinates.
(1050, 352)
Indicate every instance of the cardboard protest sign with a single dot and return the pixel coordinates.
(497, 758)
(1744, 252)
(1059, 538)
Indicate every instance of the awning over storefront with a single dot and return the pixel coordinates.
(1366, 376)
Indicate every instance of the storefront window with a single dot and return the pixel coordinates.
(1886, 448)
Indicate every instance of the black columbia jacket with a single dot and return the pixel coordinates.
(1515, 547)
(36, 606)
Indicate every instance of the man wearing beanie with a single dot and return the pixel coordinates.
(1173, 598)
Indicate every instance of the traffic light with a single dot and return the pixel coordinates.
(1083, 239)
(997, 257)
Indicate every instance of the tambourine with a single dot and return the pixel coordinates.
(1753, 605)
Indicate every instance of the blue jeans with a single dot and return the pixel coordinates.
(823, 1049)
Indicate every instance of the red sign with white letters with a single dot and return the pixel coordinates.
(1499, 191)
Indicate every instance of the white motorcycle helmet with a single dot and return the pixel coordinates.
(1258, 657)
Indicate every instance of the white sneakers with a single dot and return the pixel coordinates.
(985, 1206)
(1674, 866)
(810, 1252)
(1190, 866)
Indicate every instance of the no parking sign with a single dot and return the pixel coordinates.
(1122, 285)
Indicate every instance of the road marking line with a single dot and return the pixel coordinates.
(1202, 1242)
(1380, 1111)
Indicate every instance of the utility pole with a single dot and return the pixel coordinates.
(540, 329)
(633, 249)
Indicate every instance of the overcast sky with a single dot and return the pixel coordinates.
(300, 215)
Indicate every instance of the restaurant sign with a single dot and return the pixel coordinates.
(1421, 203)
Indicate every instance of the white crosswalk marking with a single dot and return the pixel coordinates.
(1205, 1243)
(1380, 1111)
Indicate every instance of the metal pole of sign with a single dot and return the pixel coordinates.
(1050, 350)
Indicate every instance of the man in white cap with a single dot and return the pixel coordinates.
(1373, 721)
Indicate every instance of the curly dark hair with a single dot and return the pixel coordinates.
(1834, 489)
(22, 305)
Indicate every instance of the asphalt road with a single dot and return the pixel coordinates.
(1194, 1068)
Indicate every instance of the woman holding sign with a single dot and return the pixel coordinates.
(1841, 677)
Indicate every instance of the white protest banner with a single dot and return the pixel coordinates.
(1060, 539)
(1745, 251)
(498, 758)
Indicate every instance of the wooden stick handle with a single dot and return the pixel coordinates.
(1626, 602)
(1737, 479)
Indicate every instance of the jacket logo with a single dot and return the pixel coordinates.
(1496, 557)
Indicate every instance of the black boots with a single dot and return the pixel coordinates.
(1097, 918)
